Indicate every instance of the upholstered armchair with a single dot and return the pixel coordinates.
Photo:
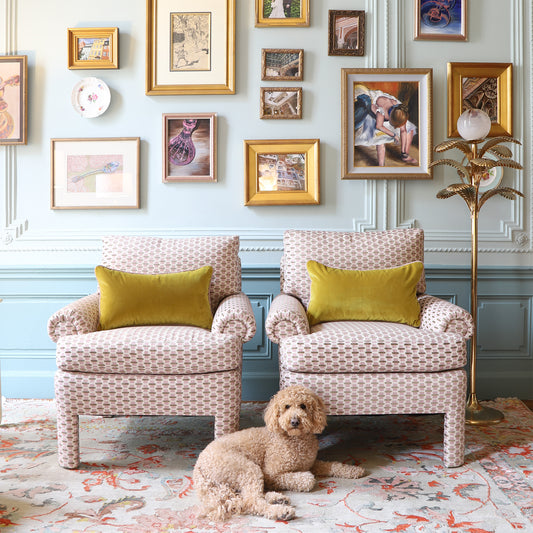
(161, 368)
(370, 366)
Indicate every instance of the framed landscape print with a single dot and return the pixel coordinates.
(281, 13)
(440, 20)
(190, 47)
(282, 64)
(92, 48)
(281, 102)
(189, 147)
(95, 173)
(13, 99)
(346, 35)
(486, 86)
(282, 172)
(386, 123)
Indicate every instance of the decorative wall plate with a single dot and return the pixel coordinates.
(90, 97)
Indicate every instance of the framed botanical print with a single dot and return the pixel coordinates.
(440, 20)
(189, 147)
(190, 47)
(346, 36)
(282, 64)
(281, 102)
(281, 13)
(92, 48)
(485, 86)
(386, 123)
(13, 99)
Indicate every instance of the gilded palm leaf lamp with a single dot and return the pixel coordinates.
(473, 126)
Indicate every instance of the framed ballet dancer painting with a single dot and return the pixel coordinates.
(189, 147)
(440, 20)
(386, 123)
(13, 99)
(281, 13)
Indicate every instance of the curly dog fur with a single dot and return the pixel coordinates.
(232, 472)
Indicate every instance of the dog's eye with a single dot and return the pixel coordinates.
(302, 406)
(287, 406)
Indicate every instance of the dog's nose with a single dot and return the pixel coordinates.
(295, 422)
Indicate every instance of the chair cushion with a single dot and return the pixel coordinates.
(154, 299)
(149, 350)
(334, 347)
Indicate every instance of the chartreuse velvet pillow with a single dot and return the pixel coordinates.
(141, 299)
(388, 295)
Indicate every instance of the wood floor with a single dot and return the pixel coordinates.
(529, 403)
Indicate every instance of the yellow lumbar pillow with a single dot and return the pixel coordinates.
(141, 299)
(388, 295)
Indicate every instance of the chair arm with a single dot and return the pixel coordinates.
(286, 317)
(440, 315)
(235, 316)
(77, 318)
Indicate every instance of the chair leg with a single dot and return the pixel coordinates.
(68, 438)
(227, 422)
(454, 437)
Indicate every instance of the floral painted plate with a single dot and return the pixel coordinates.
(90, 97)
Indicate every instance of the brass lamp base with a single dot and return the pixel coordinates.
(477, 414)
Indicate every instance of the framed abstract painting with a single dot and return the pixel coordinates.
(440, 20)
(13, 99)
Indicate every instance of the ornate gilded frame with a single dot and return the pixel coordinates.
(75, 35)
(265, 52)
(333, 49)
(263, 21)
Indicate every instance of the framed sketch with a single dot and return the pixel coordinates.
(189, 147)
(486, 86)
(346, 36)
(386, 123)
(95, 173)
(281, 102)
(281, 13)
(282, 64)
(92, 48)
(440, 20)
(282, 172)
(13, 99)
(190, 47)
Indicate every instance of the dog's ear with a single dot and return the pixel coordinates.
(271, 416)
(319, 414)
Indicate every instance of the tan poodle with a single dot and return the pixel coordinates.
(232, 473)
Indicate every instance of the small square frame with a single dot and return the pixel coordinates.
(286, 107)
(263, 12)
(14, 96)
(102, 53)
(346, 28)
(434, 21)
(289, 60)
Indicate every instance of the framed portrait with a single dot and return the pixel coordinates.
(281, 102)
(190, 47)
(440, 20)
(282, 64)
(92, 48)
(95, 173)
(13, 99)
(386, 123)
(486, 86)
(346, 36)
(281, 13)
(189, 147)
(282, 172)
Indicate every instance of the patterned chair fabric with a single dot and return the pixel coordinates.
(154, 370)
(372, 367)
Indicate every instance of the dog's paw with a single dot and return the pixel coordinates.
(277, 497)
(306, 481)
(354, 472)
(280, 512)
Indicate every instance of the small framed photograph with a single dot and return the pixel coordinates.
(189, 147)
(282, 64)
(190, 47)
(13, 99)
(440, 20)
(282, 172)
(346, 35)
(486, 86)
(95, 173)
(92, 48)
(281, 102)
(281, 13)
(386, 123)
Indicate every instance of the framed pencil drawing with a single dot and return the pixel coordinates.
(92, 48)
(95, 173)
(190, 47)
(440, 20)
(282, 64)
(281, 102)
(486, 86)
(282, 172)
(13, 99)
(189, 147)
(386, 123)
(281, 13)
(346, 36)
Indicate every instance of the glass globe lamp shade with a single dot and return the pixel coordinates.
(473, 124)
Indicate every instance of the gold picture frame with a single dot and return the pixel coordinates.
(92, 48)
(281, 103)
(13, 100)
(486, 86)
(282, 64)
(346, 34)
(281, 13)
(173, 65)
(282, 172)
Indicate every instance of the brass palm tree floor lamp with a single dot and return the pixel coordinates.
(473, 126)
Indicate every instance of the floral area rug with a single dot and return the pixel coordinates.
(136, 476)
